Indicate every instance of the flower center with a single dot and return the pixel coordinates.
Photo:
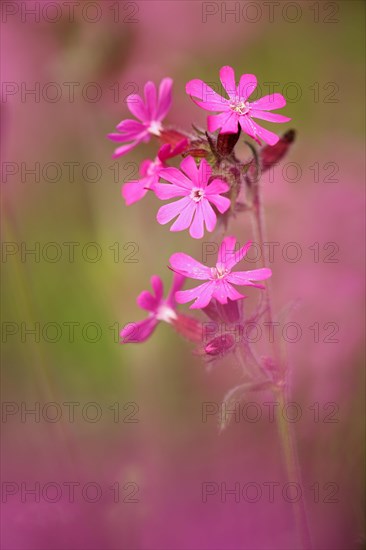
(219, 272)
(240, 107)
(154, 167)
(165, 313)
(155, 128)
(197, 194)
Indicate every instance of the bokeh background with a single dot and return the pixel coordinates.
(103, 51)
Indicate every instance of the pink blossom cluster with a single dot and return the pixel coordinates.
(210, 186)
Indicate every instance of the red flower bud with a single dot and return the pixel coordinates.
(220, 345)
(226, 143)
(269, 156)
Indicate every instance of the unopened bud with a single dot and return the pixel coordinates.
(197, 152)
(227, 142)
(220, 345)
(269, 156)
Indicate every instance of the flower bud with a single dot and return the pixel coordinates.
(197, 152)
(226, 143)
(220, 345)
(269, 156)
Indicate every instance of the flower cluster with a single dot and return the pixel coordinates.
(210, 186)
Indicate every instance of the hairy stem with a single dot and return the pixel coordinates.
(289, 448)
(285, 430)
(260, 237)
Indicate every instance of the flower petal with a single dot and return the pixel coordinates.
(204, 174)
(246, 277)
(145, 166)
(138, 332)
(157, 286)
(189, 267)
(146, 300)
(178, 281)
(130, 125)
(169, 211)
(202, 295)
(235, 258)
(189, 167)
(271, 117)
(169, 191)
(247, 283)
(168, 151)
(137, 107)
(231, 125)
(247, 85)
(227, 121)
(232, 293)
(269, 137)
(222, 203)
(151, 100)
(184, 219)
(227, 77)
(196, 230)
(209, 99)
(205, 295)
(224, 290)
(209, 215)
(164, 152)
(247, 125)
(255, 131)
(175, 176)
(124, 149)
(216, 187)
(165, 98)
(269, 102)
(227, 249)
(134, 191)
(128, 136)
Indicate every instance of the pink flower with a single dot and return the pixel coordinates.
(150, 115)
(134, 191)
(237, 109)
(158, 308)
(194, 209)
(219, 278)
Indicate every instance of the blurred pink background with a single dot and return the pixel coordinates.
(168, 454)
